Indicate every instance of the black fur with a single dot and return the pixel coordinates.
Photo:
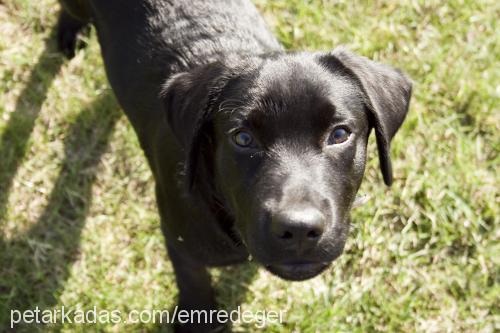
(191, 74)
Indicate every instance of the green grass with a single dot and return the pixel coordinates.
(79, 226)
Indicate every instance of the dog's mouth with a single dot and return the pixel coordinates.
(298, 271)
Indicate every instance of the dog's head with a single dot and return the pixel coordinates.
(280, 143)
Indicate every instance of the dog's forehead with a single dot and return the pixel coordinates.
(295, 96)
(299, 83)
(291, 77)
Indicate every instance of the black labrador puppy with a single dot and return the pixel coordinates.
(255, 151)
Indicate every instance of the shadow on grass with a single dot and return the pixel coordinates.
(13, 142)
(35, 267)
(231, 287)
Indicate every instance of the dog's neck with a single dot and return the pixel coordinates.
(213, 206)
(224, 218)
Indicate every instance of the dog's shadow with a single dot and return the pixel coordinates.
(36, 264)
(231, 287)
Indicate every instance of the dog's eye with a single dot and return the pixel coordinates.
(339, 135)
(243, 139)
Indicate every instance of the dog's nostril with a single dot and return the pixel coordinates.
(298, 226)
(313, 234)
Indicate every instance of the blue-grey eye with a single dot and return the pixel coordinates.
(339, 135)
(242, 138)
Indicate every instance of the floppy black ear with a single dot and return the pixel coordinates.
(387, 91)
(188, 100)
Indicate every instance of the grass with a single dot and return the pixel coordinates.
(79, 226)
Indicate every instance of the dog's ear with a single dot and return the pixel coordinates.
(188, 100)
(387, 96)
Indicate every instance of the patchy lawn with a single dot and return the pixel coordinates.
(78, 222)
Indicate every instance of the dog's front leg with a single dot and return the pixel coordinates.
(196, 295)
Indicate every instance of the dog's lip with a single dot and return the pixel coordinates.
(298, 270)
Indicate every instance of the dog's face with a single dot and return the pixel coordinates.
(281, 144)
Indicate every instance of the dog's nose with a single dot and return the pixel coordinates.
(298, 227)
